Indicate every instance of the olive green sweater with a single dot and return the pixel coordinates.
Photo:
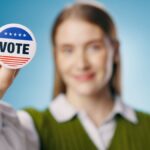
(72, 136)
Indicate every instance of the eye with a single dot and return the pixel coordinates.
(95, 47)
(67, 50)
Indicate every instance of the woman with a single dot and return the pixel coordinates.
(87, 111)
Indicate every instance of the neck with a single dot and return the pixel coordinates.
(97, 106)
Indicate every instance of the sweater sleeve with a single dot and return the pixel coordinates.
(32, 139)
(16, 130)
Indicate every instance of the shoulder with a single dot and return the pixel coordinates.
(37, 115)
(31, 116)
(26, 120)
(143, 116)
(43, 122)
(40, 118)
(33, 112)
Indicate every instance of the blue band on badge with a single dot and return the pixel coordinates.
(15, 33)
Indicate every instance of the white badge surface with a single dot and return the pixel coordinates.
(17, 46)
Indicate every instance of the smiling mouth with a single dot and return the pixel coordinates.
(85, 77)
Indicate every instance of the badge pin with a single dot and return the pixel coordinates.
(17, 46)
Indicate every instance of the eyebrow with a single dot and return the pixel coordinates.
(87, 43)
(94, 41)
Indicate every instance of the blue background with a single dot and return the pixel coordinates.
(34, 84)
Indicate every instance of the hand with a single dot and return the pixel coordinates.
(6, 78)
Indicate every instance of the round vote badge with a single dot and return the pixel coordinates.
(17, 46)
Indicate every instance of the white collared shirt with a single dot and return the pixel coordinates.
(17, 130)
(62, 110)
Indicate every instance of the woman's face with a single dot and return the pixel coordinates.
(84, 56)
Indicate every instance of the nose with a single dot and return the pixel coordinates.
(82, 62)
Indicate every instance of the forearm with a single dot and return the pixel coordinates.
(6, 78)
(3, 87)
(1, 93)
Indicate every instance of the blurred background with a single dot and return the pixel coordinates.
(34, 84)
